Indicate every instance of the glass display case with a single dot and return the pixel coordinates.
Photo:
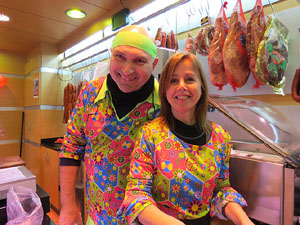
(265, 156)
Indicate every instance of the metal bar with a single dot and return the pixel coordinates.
(82, 60)
(288, 196)
(265, 142)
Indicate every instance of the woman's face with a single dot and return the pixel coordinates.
(184, 91)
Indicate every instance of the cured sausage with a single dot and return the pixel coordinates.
(158, 37)
(296, 86)
(203, 40)
(255, 33)
(190, 45)
(169, 41)
(163, 40)
(173, 40)
(69, 101)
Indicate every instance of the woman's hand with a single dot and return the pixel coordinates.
(152, 215)
(236, 214)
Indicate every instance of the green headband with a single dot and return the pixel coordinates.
(137, 40)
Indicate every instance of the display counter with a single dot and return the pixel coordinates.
(265, 158)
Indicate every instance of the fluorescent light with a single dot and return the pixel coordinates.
(75, 13)
(4, 17)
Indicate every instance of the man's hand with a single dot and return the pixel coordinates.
(70, 215)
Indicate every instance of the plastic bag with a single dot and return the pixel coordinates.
(272, 55)
(235, 55)
(24, 207)
(255, 33)
(101, 70)
(217, 73)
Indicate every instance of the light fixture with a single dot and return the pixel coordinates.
(4, 17)
(75, 13)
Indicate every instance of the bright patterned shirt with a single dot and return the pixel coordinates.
(96, 135)
(184, 180)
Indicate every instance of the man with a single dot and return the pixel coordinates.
(108, 114)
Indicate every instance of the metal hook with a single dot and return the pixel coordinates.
(166, 18)
(190, 13)
(200, 9)
(207, 8)
(271, 7)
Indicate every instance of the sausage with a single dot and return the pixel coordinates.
(296, 86)
(69, 101)
(158, 34)
(169, 41)
(163, 40)
(173, 40)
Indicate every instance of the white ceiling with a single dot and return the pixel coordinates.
(36, 21)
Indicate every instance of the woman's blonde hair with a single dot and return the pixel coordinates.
(164, 82)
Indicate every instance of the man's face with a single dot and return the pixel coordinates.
(130, 67)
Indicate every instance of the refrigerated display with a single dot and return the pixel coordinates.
(265, 159)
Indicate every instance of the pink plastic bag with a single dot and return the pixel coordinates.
(24, 207)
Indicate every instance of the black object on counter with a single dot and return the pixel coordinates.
(50, 143)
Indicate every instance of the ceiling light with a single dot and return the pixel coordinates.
(4, 17)
(75, 13)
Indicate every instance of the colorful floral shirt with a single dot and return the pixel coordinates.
(185, 181)
(96, 135)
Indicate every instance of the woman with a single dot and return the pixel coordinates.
(179, 170)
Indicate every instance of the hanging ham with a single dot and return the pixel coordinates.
(234, 51)
(217, 73)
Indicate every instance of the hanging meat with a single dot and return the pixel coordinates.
(217, 73)
(69, 101)
(163, 39)
(255, 33)
(203, 40)
(174, 44)
(272, 55)
(166, 39)
(296, 86)
(190, 45)
(158, 37)
(234, 50)
(169, 41)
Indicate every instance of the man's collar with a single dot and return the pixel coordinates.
(101, 95)
(156, 97)
(102, 92)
